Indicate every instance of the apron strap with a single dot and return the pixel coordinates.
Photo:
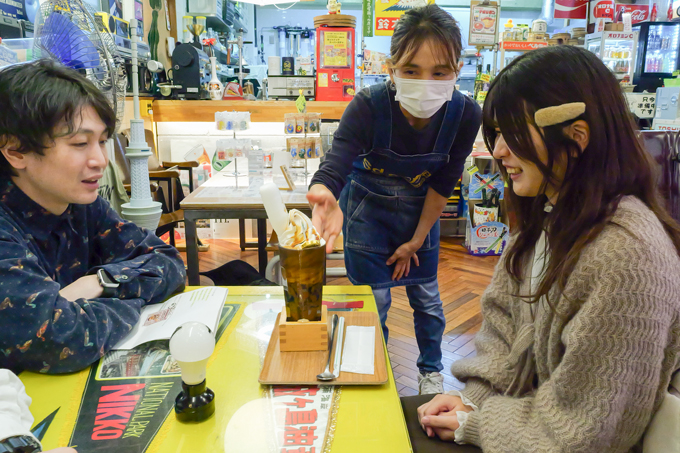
(449, 129)
(381, 108)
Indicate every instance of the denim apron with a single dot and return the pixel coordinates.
(384, 198)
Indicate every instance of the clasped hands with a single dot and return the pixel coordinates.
(438, 416)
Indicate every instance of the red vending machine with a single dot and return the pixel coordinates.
(335, 64)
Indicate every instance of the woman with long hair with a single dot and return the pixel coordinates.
(581, 330)
(396, 158)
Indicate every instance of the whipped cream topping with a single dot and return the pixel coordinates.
(300, 232)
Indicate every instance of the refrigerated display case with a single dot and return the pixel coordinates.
(616, 49)
(657, 55)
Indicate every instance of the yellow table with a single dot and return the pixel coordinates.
(369, 418)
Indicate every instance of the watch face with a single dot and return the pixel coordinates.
(106, 281)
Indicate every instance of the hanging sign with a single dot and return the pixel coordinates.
(638, 13)
(483, 23)
(368, 10)
(388, 12)
(571, 9)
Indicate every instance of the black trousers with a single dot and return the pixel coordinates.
(419, 440)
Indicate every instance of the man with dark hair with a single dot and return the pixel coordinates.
(73, 274)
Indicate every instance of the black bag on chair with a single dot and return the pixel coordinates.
(237, 273)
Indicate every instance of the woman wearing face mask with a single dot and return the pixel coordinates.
(581, 320)
(396, 158)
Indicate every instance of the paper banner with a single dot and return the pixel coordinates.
(368, 7)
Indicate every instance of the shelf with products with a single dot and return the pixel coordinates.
(212, 21)
(519, 46)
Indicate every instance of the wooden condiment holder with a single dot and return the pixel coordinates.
(304, 336)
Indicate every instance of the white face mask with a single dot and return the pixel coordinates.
(423, 98)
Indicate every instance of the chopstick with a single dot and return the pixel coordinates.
(338, 347)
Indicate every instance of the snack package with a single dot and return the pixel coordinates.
(299, 123)
(289, 123)
(293, 144)
(313, 123)
(318, 147)
(309, 147)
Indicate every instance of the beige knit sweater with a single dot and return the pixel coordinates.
(602, 369)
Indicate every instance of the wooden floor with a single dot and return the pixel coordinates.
(462, 280)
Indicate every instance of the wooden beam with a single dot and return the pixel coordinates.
(261, 111)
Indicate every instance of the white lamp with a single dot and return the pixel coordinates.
(191, 346)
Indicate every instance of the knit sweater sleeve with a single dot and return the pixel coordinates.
(486, 374)
(603, 392)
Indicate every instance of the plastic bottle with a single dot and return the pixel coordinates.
(619, 15)
(669, 13)
(508, 34)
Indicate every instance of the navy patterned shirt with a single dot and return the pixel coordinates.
(41, 252)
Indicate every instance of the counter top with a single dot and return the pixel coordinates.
(261, 111)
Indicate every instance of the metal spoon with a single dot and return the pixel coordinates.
(327, 375)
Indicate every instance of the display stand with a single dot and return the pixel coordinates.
(235, 172)
(230, 121)
(299, 146)
(304, 336)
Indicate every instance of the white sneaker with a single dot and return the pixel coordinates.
(430, 383)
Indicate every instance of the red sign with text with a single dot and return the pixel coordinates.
(639, 13)
(602, 9)
(571, 9)
(523, 45)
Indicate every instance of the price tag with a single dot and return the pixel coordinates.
(288, 177)
(472, 170)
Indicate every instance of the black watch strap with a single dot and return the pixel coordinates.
(20, 444)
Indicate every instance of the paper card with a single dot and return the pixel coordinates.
(358, 355)
(627, 23)
(288, 177)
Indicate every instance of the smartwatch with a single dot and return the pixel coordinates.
(20, 444)
(108, 284)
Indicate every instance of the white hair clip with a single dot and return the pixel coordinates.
(550, 116)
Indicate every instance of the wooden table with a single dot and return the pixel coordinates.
(226, 196)
(369, 418)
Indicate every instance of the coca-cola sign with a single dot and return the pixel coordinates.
(571, 9)
(639, 13)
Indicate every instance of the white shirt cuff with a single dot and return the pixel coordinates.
(15, 417)
(459, 434)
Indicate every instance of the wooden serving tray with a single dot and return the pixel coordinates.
(301, 368)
